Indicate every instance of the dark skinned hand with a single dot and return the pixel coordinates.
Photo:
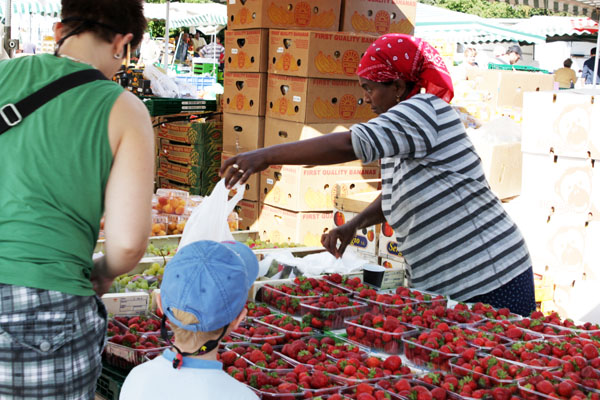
(247, 164)
(344, 233)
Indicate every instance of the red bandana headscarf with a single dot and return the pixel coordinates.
(396, 56)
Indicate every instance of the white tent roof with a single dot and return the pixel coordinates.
(435, 22)
(558, 26)
(188, 14)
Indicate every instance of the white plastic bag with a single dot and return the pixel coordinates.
(161, 84)
(209, 220)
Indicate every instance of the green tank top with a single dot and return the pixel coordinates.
(54, 167)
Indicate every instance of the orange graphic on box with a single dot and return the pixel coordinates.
(301, 15)
(328, 65)
(286, 62)
(348, 105)
(350, 61)
(381, 24)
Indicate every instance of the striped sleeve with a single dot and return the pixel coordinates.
(408, 130)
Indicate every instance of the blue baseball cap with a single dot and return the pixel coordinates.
(209, 280)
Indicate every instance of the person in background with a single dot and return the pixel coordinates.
(149, 51)
(88, 152)
(198, 43)
(453, 231)
(469, 57)
(182, 50)
(566, 76)
(588, 69)
(512, 56)
(214, 50)
(203, 296)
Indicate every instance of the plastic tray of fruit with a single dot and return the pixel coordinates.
(364, 331)
(545, 386)
(456, 387)
(435, 354)
(422, 296)
(383, 303)
(319, 286)
(254, 333)
(302, 352)
(316, 383)
(256, 310)
(147, 324)
(271, 386)
(353, 391)
(492, 314)
(286, 298)
(586, 330)
(508, 330)
(132, 350)
(533, 354)
(488, 371)
(483, 340)
(291, 328)
(329, 313)
(462, 315)
(407, 388)
(337, 348)
(352, 371)
(263, 357)
(348, 284)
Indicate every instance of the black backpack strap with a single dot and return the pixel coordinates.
(12, 114)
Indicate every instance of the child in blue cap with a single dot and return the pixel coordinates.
(203, 294)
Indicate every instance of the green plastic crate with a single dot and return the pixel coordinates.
(508, 67)
(110, 383)
(158, 106)
(205, 68)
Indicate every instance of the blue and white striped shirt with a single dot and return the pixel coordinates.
(450, 227)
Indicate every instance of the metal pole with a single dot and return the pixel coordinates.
(8, 9)
(595, 77)
(166, 55)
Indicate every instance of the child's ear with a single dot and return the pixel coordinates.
(239, 319)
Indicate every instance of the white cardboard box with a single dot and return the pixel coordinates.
(126, 303)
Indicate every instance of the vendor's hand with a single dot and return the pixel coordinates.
(344, 233)
(238, 169)
(100, 281)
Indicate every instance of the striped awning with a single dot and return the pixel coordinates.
(25, 7)
(558, 26)
(435, 22)
(587, 8)
(188, 14)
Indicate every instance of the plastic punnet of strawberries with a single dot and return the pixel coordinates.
(256, 310)
(366, 391)
(261, 356)
(351, 371)
(286, 297)
(287, 325)
(140, 323)
(329, 311)
(265, 383)
(487, 370)
(545, 385)
(304, 353)
(508, 330)
(378, 332)
(527, 353)
(434, 348)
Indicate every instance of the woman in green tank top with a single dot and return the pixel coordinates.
(86, 152)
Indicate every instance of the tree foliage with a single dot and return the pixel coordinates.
(490, 9)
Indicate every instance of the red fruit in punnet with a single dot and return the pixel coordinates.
(590, 351)
(544, 387)
(392, 363)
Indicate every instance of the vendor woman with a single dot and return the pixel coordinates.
(450, 227)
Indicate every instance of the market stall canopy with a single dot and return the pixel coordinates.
(435, 22)
(189, 14)
(559, 27)
(28, 7)
(575, 7)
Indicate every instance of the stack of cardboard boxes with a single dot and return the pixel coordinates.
(189, 154)
(561, 190)
(290, 75)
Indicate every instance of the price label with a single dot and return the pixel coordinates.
(234, 51)
(280, 49)
(297, 99)
(269, 181)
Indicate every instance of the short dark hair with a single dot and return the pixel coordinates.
(110, 17)
(515, 49)
(567, 63)
(593, 52)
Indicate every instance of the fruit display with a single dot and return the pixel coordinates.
(352, 371)
(489, 312)
(461, 314)
(352, 285)
(263, 357)
(421, 296)
(287, 325)
(287, 297)
(257, 244)
(131, 349)
(301, 352)
(366, 391)
(405, 388)
(508, 330)
(377, 332)
(164, 251)
(142, 324)
(487, 370)
(546, 386)
(168, 201)
(249, 333)
(147, 281)
(433, 349)
(336, 348)
(330, 311)
(526, 353)
(320, 286)
(380, 303)
(256, 310)
(267, 385)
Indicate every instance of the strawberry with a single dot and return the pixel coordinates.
(438, 393)
(392, 363)
(590, 351)
(544, 387)
(228, 358)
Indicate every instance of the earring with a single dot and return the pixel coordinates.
(117, 56)
(398, 98)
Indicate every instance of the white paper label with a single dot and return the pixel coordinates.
(297, 99)
(231, 1)
(269, 181)
(234, 51)
(280, 50)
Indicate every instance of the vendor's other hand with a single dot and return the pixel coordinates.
(344, 233)
(238, 169)
(101, 280)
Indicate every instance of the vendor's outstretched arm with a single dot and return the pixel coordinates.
(372, 215)
(332, 148)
